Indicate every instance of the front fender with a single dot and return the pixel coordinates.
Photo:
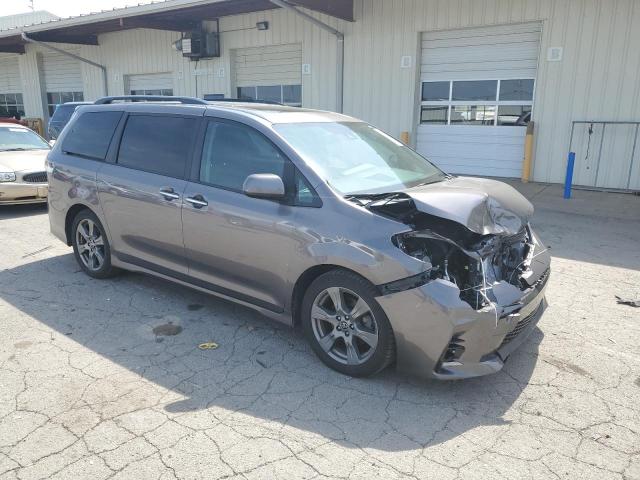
(352, 238)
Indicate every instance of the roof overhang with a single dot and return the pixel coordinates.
(175, 15)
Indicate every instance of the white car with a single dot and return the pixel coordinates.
(23, 178)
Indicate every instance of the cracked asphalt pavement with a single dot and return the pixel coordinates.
(89, 390)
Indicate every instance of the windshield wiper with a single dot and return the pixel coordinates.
(445, 176)
(367, 199)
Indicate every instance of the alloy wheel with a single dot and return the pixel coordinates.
(344, 325)
(90, 242)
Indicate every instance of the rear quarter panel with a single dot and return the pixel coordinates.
(72, 181)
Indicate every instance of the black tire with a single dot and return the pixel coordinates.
(105, 269)
(380, 357)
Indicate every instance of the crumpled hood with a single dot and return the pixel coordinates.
(484, 206)
(19, 161)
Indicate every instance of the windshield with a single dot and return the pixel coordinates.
(357, 159)
(20, 138)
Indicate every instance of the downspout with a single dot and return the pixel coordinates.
(72, 55)
(339, 54)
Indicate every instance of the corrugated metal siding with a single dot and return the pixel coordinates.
(31, 77)
(318, 49)
(508, 51)
(10, 75)
(61, 73)
(149, 51)
(597, 78)
(270, 65)
(143, 52)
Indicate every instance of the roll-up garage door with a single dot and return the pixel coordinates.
(62, 79)
(272, 73)
(150, 84)
(11, 101)
(477, 88)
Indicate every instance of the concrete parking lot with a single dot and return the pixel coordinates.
(93, 386)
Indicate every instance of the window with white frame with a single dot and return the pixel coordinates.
(159, 92)
(477, 102)
(11, 104)
(56, 98)
(286, 94)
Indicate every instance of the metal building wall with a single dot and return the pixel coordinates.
(32, 83)
(597, 77)
(145, 51)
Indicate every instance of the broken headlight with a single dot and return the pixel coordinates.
(447, 262)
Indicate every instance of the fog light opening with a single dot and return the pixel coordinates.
(454, 350)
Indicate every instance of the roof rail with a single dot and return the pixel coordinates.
(150, 98)
(244, 100)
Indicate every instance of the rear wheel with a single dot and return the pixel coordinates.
(345, 326)
(91, 247)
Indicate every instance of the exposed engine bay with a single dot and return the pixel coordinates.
(473, 261)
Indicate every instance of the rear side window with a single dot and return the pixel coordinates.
(233, 151)
(91, 134)
(63, 113)
(157, 144)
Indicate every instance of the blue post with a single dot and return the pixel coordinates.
(568, 181)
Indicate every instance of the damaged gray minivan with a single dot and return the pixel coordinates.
(312, 218)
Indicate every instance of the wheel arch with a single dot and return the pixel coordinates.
(306, 279)
(70, 216)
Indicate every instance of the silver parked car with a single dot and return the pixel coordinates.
(314, 219)
(22, 172)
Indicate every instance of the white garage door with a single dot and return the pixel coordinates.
(62, 79)
(272, 73)
(477, 96)
(11, 101)
(150, 84)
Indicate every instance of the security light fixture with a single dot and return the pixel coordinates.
(262, 25)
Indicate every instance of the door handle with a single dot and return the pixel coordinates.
(197, 201)
(169, 194)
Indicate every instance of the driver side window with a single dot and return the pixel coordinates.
(233, 151)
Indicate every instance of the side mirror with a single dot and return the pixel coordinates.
(264, 185)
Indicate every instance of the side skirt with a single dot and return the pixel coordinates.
(131, 263)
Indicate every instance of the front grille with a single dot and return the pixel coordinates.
(543, 278)
(37, 177)
(521, 325)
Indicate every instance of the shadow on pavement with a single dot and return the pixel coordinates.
(261, 369)
(25, 210)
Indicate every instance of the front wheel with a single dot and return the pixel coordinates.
(91, 246)
(346, 326)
